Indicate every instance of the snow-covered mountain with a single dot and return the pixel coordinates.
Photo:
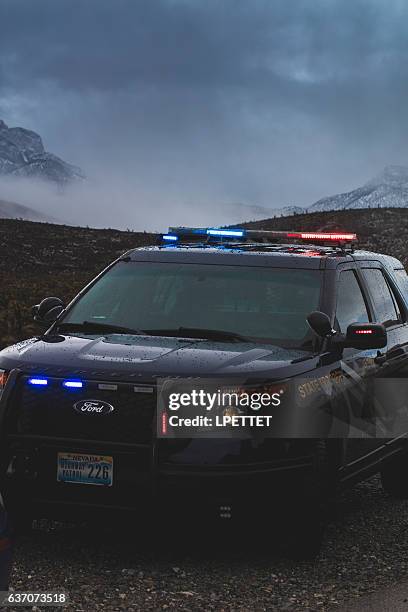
(389, 188)
(22, 154)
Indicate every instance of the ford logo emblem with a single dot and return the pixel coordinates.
(91, 406)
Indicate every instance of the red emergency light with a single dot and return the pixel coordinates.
(322, 236)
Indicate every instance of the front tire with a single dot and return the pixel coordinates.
(309, 505)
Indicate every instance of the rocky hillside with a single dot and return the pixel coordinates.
(42, 259)
(384, 230)
(22, 153)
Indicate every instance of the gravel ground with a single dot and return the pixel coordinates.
(365, 549)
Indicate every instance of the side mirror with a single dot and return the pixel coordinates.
(320, 324)
(48, 310)
(366, 336)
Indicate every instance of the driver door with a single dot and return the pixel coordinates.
(358, 367)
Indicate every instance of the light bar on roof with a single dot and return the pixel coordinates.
(181, 234)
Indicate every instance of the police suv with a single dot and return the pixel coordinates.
(81, 425)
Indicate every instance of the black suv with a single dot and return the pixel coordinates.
(79, 402)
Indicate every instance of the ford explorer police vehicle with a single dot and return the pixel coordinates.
(290, 310)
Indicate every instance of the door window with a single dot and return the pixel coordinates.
(351, 306)
(385, 305)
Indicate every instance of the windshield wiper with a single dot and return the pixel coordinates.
(199, 332)
(187, 332)
(98, 326)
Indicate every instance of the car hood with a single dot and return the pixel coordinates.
(120, 355)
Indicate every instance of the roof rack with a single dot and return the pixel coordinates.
(183, 235)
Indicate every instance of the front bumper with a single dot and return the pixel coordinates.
(143, 479)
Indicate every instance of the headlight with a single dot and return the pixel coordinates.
(3, 380)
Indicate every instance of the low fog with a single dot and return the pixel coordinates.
(118, 203)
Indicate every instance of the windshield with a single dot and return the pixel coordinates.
(261, 304)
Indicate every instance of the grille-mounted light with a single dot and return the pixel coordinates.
(73, 384)
(38, 382)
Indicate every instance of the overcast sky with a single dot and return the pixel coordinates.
(173, 103)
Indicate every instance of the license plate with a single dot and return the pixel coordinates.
(85, 469)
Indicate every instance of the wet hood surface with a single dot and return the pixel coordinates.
(121, 356)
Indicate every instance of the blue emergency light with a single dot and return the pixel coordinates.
(226, 233)
(38, 382)
(179, 234)
(73, 384)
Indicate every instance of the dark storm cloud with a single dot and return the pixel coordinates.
(264, 101)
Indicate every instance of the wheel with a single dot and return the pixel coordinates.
(308, 505)
(394, 476)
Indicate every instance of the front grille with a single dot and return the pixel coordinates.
(48, 411)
